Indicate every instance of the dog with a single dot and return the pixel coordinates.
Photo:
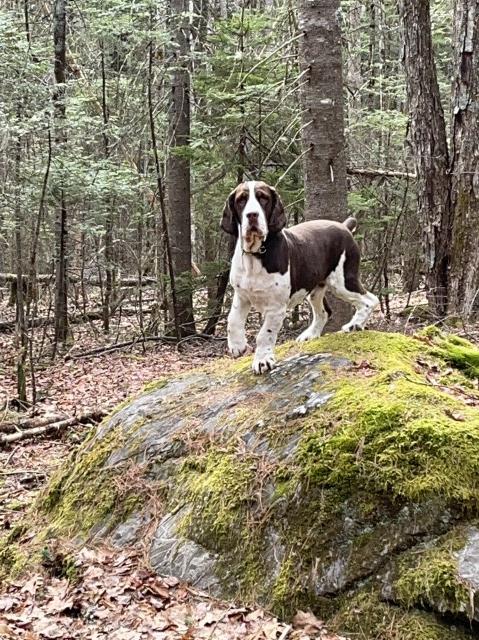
(274, 268)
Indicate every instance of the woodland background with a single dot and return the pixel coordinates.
(126, 124)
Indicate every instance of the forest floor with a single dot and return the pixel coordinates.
(114, 595)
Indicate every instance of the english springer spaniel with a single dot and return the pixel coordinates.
(275, 268)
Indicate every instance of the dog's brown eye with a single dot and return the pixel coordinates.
(240, 200)
(263, 198)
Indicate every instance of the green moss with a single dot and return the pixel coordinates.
(12, 557)
(460, 353)
(288, 593)
(385, 439)
(430, 578)
(154, 385)
(218, 488)
(84, 494)
(393, 434)
(365, 616)
(386, 351)
(15, 505)
(12, 560)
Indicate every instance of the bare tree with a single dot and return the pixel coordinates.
(324, 162)
(325, 187)
(464, 275)
(429, 145)
(20, 326)
(178, 166)
(61, 296)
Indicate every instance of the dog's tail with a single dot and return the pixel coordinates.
(351, 224)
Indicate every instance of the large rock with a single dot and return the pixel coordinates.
(346, 480)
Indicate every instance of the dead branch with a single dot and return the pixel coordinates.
(380, 173)
(140, 340)
(80, 318)
(120, 345)
(54, 427)
(30, 423)
(129, 281)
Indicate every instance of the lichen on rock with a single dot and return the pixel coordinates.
(346, 475)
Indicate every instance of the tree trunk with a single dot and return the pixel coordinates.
(429, 144)
(107, 300)
(20, 327)
(178, 167)
(464, 275)
(325, 186)
(324, 163)
(61, 304)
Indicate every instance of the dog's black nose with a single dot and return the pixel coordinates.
(252, 217)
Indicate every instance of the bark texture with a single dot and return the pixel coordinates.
(324, 163)
(427, 136)
(178, 167)
(325, 186)
(464, 290)
(59, 38)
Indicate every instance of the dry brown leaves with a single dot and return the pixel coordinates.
(116, 597)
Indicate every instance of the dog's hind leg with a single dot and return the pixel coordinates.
(344, 282)
(321, 313)
(364, 304)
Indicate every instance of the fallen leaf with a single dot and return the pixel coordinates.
(31, 585)
(5, 631)
(8, 603)
(455, 415)
(210, 618)
(308, 622)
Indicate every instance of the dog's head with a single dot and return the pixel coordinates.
(252, 211)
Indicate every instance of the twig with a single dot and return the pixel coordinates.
(137, 341)
(285, 632)
(19, 472)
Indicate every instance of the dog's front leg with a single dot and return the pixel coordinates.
(240, 307)
(266, 339)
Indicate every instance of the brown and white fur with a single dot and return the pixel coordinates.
(275, 268)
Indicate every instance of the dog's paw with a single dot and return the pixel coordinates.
(238, 350)
(304, 336)
(347, 328)
(307, 335)
(261, 365)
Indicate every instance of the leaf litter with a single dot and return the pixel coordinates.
(115, 596)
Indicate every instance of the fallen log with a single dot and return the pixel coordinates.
(30, 423)
(128, 281)
(79, 318)
(120, 345)
(380, 173)
(140, 340)
(53, 427)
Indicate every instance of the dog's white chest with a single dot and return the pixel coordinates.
(250, 280)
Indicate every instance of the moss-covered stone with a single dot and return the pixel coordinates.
(218, 487)
(304, 485)
(368, 618)
(459, 352)
(428, 577)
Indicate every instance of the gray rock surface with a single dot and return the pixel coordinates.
(211, 456)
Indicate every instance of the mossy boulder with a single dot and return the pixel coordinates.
(346, 480)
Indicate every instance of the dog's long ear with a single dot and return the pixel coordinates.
(229, 221)
(278, 217)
